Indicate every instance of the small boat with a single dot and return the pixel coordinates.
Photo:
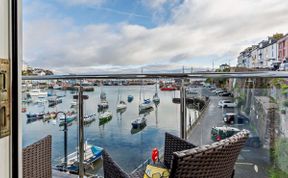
(136, 130)
(89, 118)
(105, 117)
(130, 98)
(146, 111)
(35, 115)
(91, 154)
(38, 92)
(168, 88)
(57, 87)
(103, 96)
(156, 98)
(73, 104)
(121, 105)
(103, 104)
(69, 119)
(145, 105)
(53, 102)
(138, 122)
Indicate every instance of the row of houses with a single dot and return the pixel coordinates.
(266, 53)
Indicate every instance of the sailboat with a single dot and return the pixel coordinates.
(146, 102)
(139, 122)
(156, 98)
(105, 117)
(121, 105)
(103, 101)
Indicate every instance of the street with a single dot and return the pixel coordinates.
(252, 162)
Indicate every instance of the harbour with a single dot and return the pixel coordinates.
(128, 145)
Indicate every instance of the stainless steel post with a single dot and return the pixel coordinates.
(182, 111)
(81, 134)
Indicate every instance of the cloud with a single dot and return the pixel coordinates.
(197, 32)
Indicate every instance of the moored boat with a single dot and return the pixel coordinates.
(130, 98)
(122, 105)
(168, 88)
(89, 118)
(140, 121)
(145, 105)
(91, 154)
(105, 117)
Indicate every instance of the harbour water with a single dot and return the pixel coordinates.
(127, 147)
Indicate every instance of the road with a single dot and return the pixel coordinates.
(251, 162)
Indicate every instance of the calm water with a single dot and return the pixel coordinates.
(129, 150)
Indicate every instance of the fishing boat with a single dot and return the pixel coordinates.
(168, 88)
(130, 98)
(38, 92)
(140, 121)
(89, 118)
(91, 154)
(105, 117)
(147, 104)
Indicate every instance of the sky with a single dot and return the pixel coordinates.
(123, 36)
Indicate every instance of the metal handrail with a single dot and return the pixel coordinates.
(258, 74)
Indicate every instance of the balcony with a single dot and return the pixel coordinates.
(193, 106)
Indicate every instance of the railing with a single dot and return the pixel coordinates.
(240, 76)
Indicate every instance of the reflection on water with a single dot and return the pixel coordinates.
(128, 147)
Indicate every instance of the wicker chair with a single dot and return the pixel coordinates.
(37, 159)
(185, 160)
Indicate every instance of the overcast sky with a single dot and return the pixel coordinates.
(112, 36)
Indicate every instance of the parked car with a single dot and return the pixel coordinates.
(217, 91)
(284, 65)
(253, 140)
(227, 104)
(233, 119)
(225, 93)
(219, 133)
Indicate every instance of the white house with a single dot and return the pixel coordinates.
(267, 53)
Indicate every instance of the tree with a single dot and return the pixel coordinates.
(278, 36)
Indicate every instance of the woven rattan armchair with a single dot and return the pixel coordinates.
(187, 161)
(172, 144)
(216, 160)
(37, 159)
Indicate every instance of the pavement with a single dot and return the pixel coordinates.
(252, 162)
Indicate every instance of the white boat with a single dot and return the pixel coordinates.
(103, 104)
(139, 122)
(89, 118)
(91, 154)
(121, 105)
(38, 92)
(57, 87)
(106, 115)
(147, 104)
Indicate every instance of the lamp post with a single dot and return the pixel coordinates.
(65, 137)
